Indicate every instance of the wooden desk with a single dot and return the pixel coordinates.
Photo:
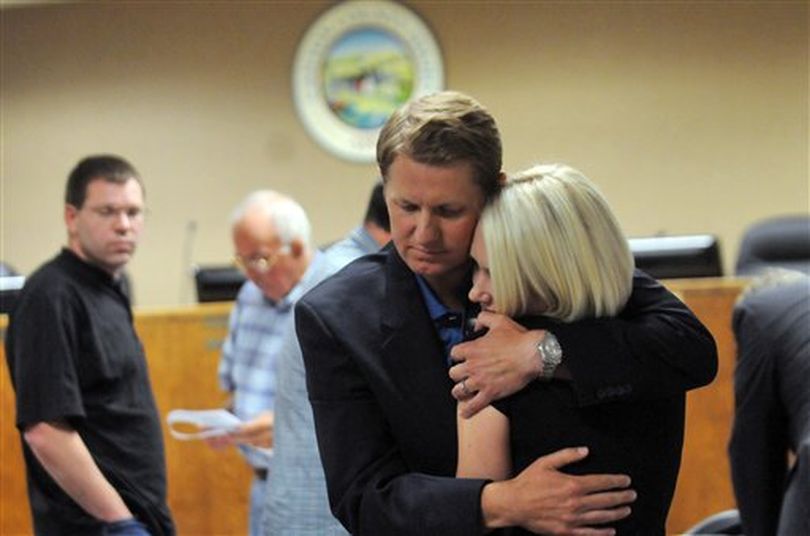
(208, 491)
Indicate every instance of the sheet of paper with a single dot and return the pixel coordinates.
(210, 422)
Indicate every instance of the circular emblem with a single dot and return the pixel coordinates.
(357, 63)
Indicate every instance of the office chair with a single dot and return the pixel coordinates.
(217, 283)
(779, 242)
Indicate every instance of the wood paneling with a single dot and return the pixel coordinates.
(208, 491)
(15, 518)
(704, 482)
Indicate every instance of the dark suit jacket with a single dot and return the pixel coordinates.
(772, 416)
(380, 390)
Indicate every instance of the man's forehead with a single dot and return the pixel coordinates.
(104, 187)
(257, 229)
(443, 194)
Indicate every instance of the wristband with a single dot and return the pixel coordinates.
(125, 527)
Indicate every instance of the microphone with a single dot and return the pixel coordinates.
(187, 264)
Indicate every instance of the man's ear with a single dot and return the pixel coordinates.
(71, 213)
(502, 178)
(296, 248)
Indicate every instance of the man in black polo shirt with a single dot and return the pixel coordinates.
(91, 433)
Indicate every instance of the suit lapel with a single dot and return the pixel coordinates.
(413, 356)
(411, 345)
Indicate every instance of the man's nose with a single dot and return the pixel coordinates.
(122, 221)
(427, 229)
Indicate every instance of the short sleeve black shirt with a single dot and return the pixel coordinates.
(74, 357)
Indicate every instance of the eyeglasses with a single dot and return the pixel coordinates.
(261, 263)
(110, 213)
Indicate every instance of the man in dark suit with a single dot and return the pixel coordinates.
(376, 340)
(772, 391)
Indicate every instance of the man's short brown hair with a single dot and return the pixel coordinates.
(444, 129)
(107, 167)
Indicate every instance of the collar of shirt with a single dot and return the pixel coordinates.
(448, 323)
(364, 240)
(92, 273)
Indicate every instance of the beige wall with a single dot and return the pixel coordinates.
(692, 116)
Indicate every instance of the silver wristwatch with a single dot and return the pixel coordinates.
(551, 353)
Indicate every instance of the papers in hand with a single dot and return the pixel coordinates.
(206, 422)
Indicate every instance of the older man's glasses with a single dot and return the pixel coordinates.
(260, 263)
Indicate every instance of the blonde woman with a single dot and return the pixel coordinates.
(550, 251)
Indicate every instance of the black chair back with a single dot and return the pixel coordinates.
(781, 242)
(217, 283)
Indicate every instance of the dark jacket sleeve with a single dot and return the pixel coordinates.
(759, 441)
(371, 490)
(655, 348)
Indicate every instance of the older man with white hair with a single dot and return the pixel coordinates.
(271, 237)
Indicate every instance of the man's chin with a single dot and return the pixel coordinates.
(119, 260)
(428, 268)
(432, 269)
(273, 294)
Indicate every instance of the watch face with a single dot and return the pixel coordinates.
(551, 354)
(551, 347)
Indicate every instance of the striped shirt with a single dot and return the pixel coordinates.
(247, 368)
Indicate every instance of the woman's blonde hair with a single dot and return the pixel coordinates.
(555, 248)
